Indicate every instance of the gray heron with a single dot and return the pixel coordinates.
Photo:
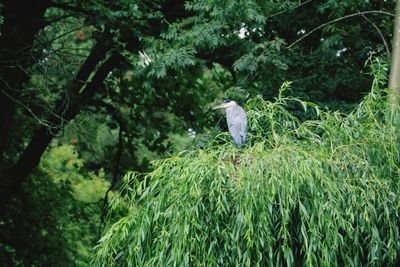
(236, 120)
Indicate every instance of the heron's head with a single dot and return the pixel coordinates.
(226, 104)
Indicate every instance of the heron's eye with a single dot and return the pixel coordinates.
(227, 101)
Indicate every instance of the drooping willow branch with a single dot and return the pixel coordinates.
(336, 20)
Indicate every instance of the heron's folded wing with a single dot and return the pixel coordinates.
(237, 124)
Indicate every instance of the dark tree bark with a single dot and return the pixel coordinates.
(42, 137)
(23, 20)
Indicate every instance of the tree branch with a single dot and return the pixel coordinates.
(288, 10)
(394, 76)
(115, 114)
(379, 32)
(42, 137)
(70, 8)
(336, 20)
(22, 22)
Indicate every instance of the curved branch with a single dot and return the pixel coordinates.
(114, 112)
(380, 34)
(288, 10)
(336, 20)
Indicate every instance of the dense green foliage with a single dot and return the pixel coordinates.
(60, 218)
(320, 192)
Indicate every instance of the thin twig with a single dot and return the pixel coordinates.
(380, 34)
(336, 20)
(288, 10)
(40, 121)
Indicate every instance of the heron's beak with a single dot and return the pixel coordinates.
(219, 107)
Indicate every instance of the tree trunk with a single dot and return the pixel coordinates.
(42, 137)
(23, 20)
(394, 77)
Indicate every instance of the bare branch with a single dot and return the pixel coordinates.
(336, 20)
(40, 121)
(380, 34)
(288, 10)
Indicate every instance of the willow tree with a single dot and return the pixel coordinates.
(314, 193)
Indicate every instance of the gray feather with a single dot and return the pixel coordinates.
(237, 124)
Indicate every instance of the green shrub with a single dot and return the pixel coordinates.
(322, 192)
